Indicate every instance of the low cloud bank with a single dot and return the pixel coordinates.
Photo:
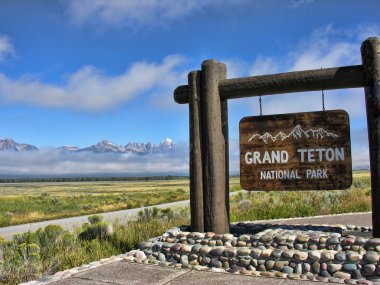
(53, 162)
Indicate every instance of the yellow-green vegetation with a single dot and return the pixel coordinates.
(30, 202)
(46, 251)
(285, 204)
(31, 255)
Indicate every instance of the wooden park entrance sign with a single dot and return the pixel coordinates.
(207, 93)
(303, 151)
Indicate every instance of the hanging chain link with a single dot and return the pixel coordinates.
(261, 106)
(323, 99)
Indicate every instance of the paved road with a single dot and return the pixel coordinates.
(70, 223)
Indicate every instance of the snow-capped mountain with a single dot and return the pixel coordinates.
(101, 147)
(142, 148)
(136, 147)
(296, 133)
(132, 147)
(11, 145)
(167, 144)
(104, 146)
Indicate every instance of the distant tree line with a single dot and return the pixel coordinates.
(84, 179)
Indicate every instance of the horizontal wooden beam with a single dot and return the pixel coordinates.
(289, 82)
(181, 94)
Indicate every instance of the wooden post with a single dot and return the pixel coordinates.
(213, 149)
(371, 66)
(227, 155)
(196, 184)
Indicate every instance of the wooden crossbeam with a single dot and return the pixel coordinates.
(289, 82)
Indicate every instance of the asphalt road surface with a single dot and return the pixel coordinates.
(70, 223)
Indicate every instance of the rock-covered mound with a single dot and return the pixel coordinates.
(342, 254)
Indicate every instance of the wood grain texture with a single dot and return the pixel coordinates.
(224, 110)
(331, 130)
(181, 94)
(196, 183)
(213, 149)
(370, 51)
(298, 81)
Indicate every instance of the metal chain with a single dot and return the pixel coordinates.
(323, 99)
(261, 106)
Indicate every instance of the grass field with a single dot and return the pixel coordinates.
(30, 202)
(287, 204)
(33, 254)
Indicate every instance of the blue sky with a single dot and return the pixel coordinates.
(77, 72)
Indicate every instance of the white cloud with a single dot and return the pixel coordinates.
(351, 100)
(359, 146)
(53, 162)
(130, 13)
(360, 158)
(325, 47)
(239, 68)
(263, 65)
(235, 67)
(299, 3)
(6, 48)
(134, 14)
(372, 30)
(90, 90)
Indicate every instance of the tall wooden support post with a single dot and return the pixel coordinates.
(196, 183)
(227, 153)
(371, 66)
(213, 149)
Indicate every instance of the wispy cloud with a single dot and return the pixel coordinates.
(135, 14)
(299, 3)
(263, 65)
(365, 31)
(6, 48)
(129, 13)
(328, 47)
(325, 47)
(89, 89)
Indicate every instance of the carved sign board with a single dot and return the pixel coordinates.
(300, 151)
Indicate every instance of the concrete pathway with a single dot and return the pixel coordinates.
(121, 272)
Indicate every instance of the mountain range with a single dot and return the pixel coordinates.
(101, 147)
(296, 133)
(11, 145)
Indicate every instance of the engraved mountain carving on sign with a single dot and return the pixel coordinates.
(296, 133)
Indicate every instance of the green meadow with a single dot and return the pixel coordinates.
(287, 204)
(31, 255)
(38, 201)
